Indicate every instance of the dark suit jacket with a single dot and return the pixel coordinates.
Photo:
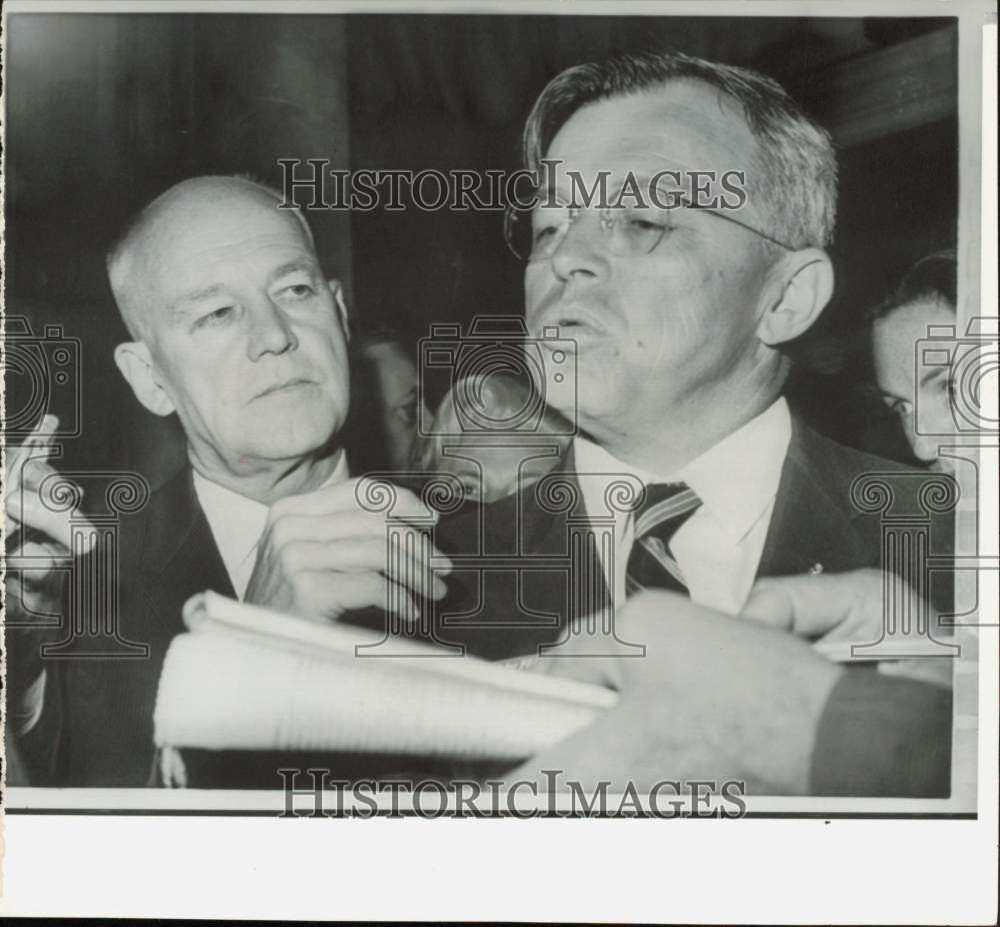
(878, 736)
(520, 604)
(96, 728)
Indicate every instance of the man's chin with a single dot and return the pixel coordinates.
(293, 436)
(601, 398)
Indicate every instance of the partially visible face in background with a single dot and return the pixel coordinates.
(906, 385)
(489, 472)
(393, 377)
(492, 464)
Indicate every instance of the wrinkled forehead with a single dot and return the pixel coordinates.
(221, 227)
(685, 124)
(197, 241)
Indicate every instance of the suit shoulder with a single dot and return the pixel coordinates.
(166, 503)
(823, 454)
(906, 489)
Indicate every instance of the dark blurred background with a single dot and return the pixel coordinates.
(106, 111)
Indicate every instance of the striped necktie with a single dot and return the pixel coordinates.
(651, 565)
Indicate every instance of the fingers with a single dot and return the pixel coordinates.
(408, 565)
(323, 595)
(351, 525)
(27, 508)
(831, 606)
(37, 559)
(342, 498)
(771, 603)
(34, 472)
(25, 505)
(322, 554)
(33, 590)
(809, 606)
(36, 446)
(26, 477)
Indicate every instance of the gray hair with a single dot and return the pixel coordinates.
(794, 172)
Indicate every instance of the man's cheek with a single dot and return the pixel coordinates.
(330, 358)
(534, 297)
(940, 419)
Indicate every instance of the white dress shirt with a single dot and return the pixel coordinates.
(719, 547)
(237, 523)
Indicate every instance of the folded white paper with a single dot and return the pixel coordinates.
(249, 678)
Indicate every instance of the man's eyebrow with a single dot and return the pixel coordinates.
(291, 267)
(196, 296)
(932, 373)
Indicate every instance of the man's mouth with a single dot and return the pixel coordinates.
(284, 386)
(568, 325)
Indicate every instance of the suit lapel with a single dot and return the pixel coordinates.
(547, 533)
(811, 529)
(179, 556)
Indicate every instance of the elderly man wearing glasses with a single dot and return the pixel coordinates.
(679, 303)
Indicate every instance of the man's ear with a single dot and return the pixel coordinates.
(342, 310)
(136, 364)
(803, 285)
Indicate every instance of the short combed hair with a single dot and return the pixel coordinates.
(933, 277)
(115, 259)
(794, 170)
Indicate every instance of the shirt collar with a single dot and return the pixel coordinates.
(736, 479)
(237, 522)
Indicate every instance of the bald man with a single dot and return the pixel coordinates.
(236, 331)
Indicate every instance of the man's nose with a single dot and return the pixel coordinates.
(583, 249)
(270, 330)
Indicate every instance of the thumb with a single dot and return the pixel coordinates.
(813, 606)
(772, 604)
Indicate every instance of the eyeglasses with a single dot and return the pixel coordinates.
(628, 231)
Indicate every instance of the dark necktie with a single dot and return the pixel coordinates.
(651, 565)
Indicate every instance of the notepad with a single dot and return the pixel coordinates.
(248, 678)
